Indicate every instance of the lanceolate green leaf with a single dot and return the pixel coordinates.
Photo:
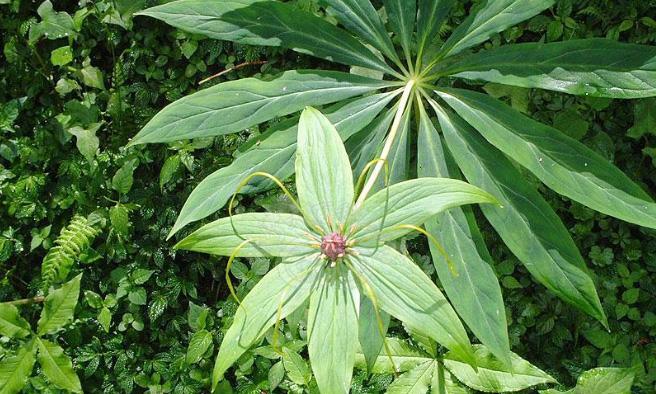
(371, 331)
(274, 155)
(11, 323)
(362, 147)
(404, 291)
(361, 18)
(404, 358)
(410, 203)
(591, 67)
(270, 234)
(332, 318)
(526, 223)
(57, 366)
(492, 16)
(324, 180)
(59, 307)
(430, 18)
(473, 288)
(562, 163)
(492, 376)
(402, 15)
(415, 381)
(14, 370)
(279, 293)
(232, 106)
(268, 23)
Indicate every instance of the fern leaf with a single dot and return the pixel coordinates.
(72, 241)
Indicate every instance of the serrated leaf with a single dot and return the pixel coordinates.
(297, 369)
(59, 307)
(123, 179)
(12, 324)
(14, 370)
(415, 381)
(105, 318)
(324, 180)
(411, 297)
(592, 67)
(277, 294)
(276, 375)
(198, 345)
(600, 381)
(332, 320)
(403, 358)
(560, 162)
(267, 23)
(118, 216)
(492, 376)
(141, 276)
(270, 234)
(57, 366)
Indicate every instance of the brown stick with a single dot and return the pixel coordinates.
(237, 67)
(26, 301)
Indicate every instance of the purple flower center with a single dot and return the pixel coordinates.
(333, 246)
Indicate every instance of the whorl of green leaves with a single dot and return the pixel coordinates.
(72, 240)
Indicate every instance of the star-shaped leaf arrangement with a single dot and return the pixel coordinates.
(336, 256)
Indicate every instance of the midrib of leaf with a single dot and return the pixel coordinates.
(542, 242)
(269, 100)
(535, 150)
(45, 351)
(56, 310)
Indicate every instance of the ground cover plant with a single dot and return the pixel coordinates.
(155, 318)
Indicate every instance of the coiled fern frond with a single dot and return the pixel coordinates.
(72, 240)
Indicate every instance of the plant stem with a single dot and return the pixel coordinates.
(388, 144)
(25, 301)
(237, 67)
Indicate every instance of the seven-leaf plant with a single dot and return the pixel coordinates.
(335, 255)
(485, 137)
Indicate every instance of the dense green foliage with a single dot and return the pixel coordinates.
(71, 99)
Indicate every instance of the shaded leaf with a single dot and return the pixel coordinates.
(592, 67)
(562, 163)
(267, 23)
